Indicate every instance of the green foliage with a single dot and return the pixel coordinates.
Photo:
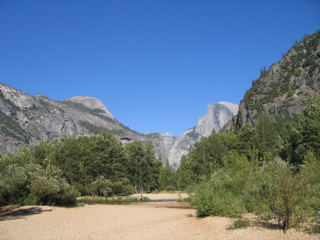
(55, 172)
(12, 181)
(185, 173)
(267, 138)
(25, 182)
(263, 71)
(305, 135)
(230, 141)
(248, 141)
(143, 168)
(214, 197)
(122, 187)
(207, 155)
(310, 125)
(223, 193)
(171, 188)
(167, 178)
(250, 177)
(311, 170)
(239, 223)
(284, 190)
(101, 187)
(92, 128)
(48, 187)
(274, 187)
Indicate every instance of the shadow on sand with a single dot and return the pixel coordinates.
(8, 213)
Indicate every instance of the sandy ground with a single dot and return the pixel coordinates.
(163, 196)
(147, 220)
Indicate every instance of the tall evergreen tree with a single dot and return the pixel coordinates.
(248, 141)
(306, 135)
(153, 167)
(267, 138)
(136, 167)
(186, 175)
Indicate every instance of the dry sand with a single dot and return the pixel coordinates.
(147, 220)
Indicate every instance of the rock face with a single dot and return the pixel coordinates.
(282, 90)
(26, 120)
(92, 103)
(217, 115)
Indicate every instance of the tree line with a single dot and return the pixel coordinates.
(57, 172)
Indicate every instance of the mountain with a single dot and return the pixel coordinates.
(217, 115)
(92, 103)
(282, 89)
(27, 120)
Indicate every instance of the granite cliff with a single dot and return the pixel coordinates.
(26, 119)
(217, 115)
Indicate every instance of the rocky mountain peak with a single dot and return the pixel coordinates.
(92, 103)
(217, 115)
(17, 97)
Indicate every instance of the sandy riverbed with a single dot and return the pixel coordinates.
(153, 220)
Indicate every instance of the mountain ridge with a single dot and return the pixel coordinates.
(27, 119)
(282, 89)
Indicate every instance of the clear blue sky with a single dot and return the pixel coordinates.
(155, 64)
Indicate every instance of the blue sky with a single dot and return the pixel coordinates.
(156, 65)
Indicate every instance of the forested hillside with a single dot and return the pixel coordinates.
(282, 89)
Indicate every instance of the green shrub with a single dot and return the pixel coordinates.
(239, 223)
(285, 191)
(69, 198)
(214, 197)
(123, 187)
(313, 229)
(101, 187)
(170, 188)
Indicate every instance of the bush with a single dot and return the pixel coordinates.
(170, 188)
(101, 187)
(214, 197)
(80, 188)
(69, 198)
(239, 223)
(35, 184)
(127, 189)
(284, 190)
(13, 183)
(122, 188)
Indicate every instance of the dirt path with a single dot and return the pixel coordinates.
(139, 221)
